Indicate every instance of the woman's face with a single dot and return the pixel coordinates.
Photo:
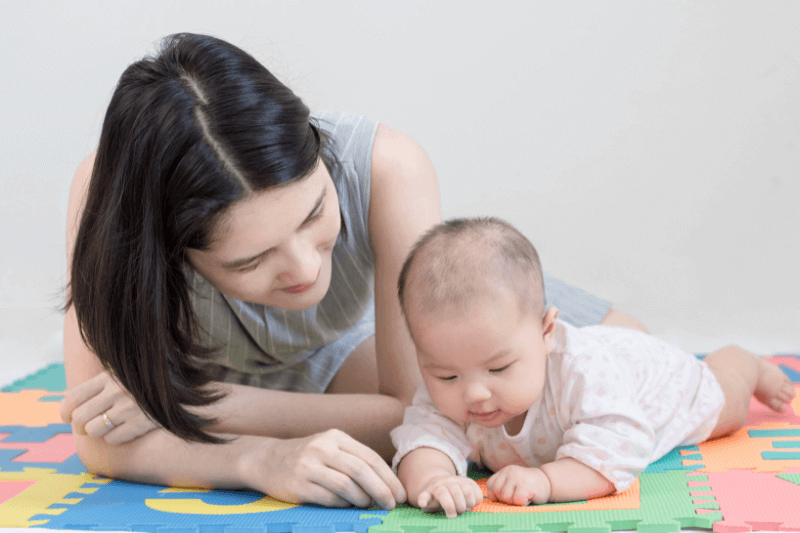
(274, 247)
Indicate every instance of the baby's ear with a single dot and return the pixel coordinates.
(549, 328)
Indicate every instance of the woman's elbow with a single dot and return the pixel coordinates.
(97, 456)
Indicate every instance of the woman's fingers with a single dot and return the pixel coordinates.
(313, 468)
(345, 488)
(93, 409)
(322, 496)
(103, 409)
(79, 394)
(377, 468)
(96, 426)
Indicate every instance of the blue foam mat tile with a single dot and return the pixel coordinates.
(73, 465)
(37, 434)
(129, 504)
(794, 376)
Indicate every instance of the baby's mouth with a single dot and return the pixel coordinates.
(484, 415)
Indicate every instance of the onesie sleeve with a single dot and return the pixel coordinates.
(606, 430)
(425, 427)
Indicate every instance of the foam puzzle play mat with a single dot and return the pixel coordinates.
(749, 481)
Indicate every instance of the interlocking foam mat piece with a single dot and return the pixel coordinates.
(746, 482)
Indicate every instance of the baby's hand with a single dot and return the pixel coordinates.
(454, 495)
(519, 485)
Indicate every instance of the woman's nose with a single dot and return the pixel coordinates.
(302, 263)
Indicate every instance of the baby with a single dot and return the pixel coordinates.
(558, 413)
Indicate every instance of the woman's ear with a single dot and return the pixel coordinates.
(549, 328)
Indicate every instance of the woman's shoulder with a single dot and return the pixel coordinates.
(77, 196)
(352, 136)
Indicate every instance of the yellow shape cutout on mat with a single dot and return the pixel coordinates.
(196, 506)
(23, 408)
(50, 489)
(627, 499)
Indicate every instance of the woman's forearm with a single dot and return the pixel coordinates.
(161, 458)
(307, 470)
(246, 410)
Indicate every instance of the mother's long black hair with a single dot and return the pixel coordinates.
(188, 133)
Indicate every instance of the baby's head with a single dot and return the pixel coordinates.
(472, 294)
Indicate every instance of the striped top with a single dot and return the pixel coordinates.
(255, 339)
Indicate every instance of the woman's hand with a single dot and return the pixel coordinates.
(329, 468)
(518, 485)
(452, 494)
(101, 408)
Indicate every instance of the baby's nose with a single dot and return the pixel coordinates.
(477, 392)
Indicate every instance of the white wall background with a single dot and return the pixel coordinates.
(650, 150)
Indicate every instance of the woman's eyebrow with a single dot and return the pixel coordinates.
(239, 263)
(317, 204)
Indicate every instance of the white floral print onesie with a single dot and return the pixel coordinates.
(614, 398)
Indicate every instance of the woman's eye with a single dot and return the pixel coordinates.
(498, 370)
(250, 267)
(317, 214)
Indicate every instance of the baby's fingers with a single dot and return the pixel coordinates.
(507, 493)
(474, 495)
(522, 496)
(423, 500)
(429, 502)
(494, 485)
(445, 499)
(459, 500)
(501, 488)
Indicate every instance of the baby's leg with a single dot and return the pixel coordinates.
(741, 375)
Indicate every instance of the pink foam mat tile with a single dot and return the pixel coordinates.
(755, 501)
(56, 449)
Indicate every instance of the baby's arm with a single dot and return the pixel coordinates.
(431, 482)
(571, 480)
(564, 480)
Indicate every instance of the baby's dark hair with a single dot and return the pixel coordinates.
(464, 259)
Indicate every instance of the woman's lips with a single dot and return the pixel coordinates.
(297, 289)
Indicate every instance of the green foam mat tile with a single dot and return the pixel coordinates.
(666, 507)
(791, 478)
(50, 378)
(767, 433)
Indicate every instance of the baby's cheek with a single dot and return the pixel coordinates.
(448, 404)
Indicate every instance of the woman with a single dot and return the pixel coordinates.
(225, 248)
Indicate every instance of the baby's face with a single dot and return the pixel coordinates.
(485, 366)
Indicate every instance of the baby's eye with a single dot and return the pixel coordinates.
(499, 370)
(447, 378)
